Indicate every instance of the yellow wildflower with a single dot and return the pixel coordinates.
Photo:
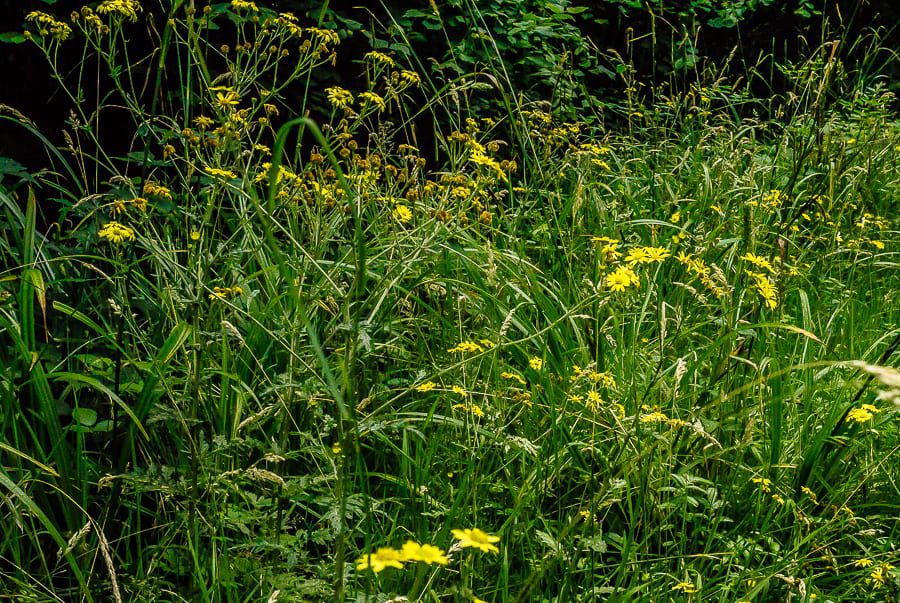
(339, 97)
(49, 25)
(475, 538)
(513, 377)
(536, 363)
(220, 173)
(381, 559)
(426, 553)
(622, 278)
(467, 347)
(244, 5)
(402, 213)
(203, 122)
(862, 414)
(226, 98)
(685, 587)
(758, 261)
(375, 99)
(410, 78)
(426, 387)
(124, 8)
(765, 484)
(379, 57)
(116, 233)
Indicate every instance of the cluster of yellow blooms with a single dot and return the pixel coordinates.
(702, 270)
(128, 9)
(49, 25)
(765, 288)
(154, 189)
(471, 347)
(116, 233)
(412, 551)
(225, 292)
(862, 414)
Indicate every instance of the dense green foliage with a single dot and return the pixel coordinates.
(251, 355)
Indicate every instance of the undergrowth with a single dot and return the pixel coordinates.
(259, 358)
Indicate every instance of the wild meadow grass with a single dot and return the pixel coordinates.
(262, 357)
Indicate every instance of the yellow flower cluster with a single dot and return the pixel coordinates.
(91, 20)
(699, 268)
(609, 252)
(225, 292)
(685, 587)
(116, 233)
(220, 173)
(373, 98)
(622, 278)
(128, 9)
(862, 414)
(770, 200)
(646, 255)
(879, 576)
(244, 5)
(49, 25)
(471, 347)
(765, 288)
(386, 557)
(426, 387)
(379, 57)
(154, 189)
(764, 483)
(759, 262)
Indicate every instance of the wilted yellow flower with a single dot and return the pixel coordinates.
(203, 122)
(477, 539)
(244, 5)
(375, 99)
(379, 57)
(411, 78)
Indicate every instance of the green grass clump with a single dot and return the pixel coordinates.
(258, 356)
